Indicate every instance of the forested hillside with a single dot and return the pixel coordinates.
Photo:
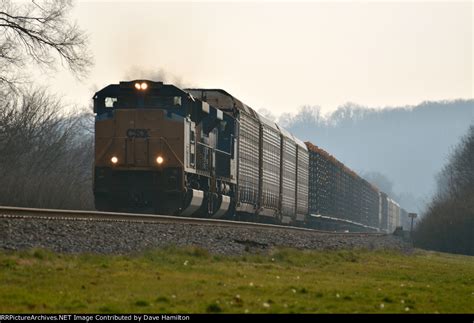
(399, 148)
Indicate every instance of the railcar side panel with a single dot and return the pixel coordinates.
(393, 215)
(248, 172)
(383, 211)
(288, 177)
(405, 221)
(320, 183)
(373, 207)
(270, 169)
(302, 182)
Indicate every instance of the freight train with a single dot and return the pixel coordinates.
(202, 152)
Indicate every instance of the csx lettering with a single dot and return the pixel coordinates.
(137, 133)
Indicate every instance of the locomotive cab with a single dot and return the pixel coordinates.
(160, 150)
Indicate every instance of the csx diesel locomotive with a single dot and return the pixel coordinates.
(202, 152)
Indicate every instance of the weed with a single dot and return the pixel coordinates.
(141, 303)
(213, 308)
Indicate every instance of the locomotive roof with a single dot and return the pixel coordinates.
(165, 89)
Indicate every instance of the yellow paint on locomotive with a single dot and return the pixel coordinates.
(137, 137)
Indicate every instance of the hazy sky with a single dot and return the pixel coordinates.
(280, 56)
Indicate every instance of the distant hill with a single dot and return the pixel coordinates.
(403, 146)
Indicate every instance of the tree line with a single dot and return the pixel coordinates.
(448, 224)
(45, 147)
(46, 153)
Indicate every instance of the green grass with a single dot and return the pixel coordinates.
(190, 280)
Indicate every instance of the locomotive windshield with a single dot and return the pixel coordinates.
(138, 94)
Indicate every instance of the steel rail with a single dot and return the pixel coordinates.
(36, 213)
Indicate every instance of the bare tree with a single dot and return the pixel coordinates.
(46, 154)
(45, 151)
(40, 33)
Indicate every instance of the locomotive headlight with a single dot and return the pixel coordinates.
(141, 86)
(159, 160)
(114, 160)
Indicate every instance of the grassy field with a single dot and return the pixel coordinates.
(192, 281)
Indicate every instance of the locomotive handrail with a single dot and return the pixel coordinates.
(102, 153)
(172, 151)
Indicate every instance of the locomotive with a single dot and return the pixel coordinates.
(202, 152)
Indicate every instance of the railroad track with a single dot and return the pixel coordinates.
(55, 214)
